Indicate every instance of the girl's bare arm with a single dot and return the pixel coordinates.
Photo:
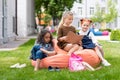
(49, 53)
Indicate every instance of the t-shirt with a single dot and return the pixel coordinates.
(91, 35)
(63, 30)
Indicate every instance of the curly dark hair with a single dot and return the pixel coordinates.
(40, 38)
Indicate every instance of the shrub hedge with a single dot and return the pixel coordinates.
(115, 35)
(107, 29)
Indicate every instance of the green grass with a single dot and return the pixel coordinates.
(21, 55)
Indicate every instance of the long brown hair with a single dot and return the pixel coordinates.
(40, 38)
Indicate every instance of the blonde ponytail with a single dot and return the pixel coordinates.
(65, 14)
(60, 23)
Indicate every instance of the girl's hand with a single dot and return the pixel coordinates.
(62, 38)
(80, 43)
(80, 48)
(42, 49)
(49, 53)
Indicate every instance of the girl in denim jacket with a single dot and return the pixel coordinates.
(42, 48)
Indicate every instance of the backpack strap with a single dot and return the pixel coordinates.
(88, 33)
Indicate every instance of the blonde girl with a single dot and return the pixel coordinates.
(63, 28)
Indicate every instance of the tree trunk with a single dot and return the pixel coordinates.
(103, 25)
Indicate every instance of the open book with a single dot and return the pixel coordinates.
(71, 37)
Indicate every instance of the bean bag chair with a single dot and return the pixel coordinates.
(61, 59)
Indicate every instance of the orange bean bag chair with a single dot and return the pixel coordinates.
(61, 60)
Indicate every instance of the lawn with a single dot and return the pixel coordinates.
(21, 55)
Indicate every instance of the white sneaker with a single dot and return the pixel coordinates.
(15, 65)
(106, 63)
(21, 66)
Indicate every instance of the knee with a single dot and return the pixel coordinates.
(39, 54)
(75, 46)
(68, 47)
(36, 47)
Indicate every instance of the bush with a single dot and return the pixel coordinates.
(107, 29)
(115, 35)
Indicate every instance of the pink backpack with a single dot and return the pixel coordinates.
(75, 63)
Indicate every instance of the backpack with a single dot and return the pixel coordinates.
(75, 63)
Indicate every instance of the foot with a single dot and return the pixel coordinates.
(50, 68)
(106, 63)
(35, 69)
(57, 69)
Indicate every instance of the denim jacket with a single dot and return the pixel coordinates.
(37, 47)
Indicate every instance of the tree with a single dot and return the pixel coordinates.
(112, 12)
(54, 7)
(98, 16)
(38, 5)
(102, 17)
(47, 18)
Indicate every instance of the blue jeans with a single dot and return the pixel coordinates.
(40, 55)
(36, 53)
